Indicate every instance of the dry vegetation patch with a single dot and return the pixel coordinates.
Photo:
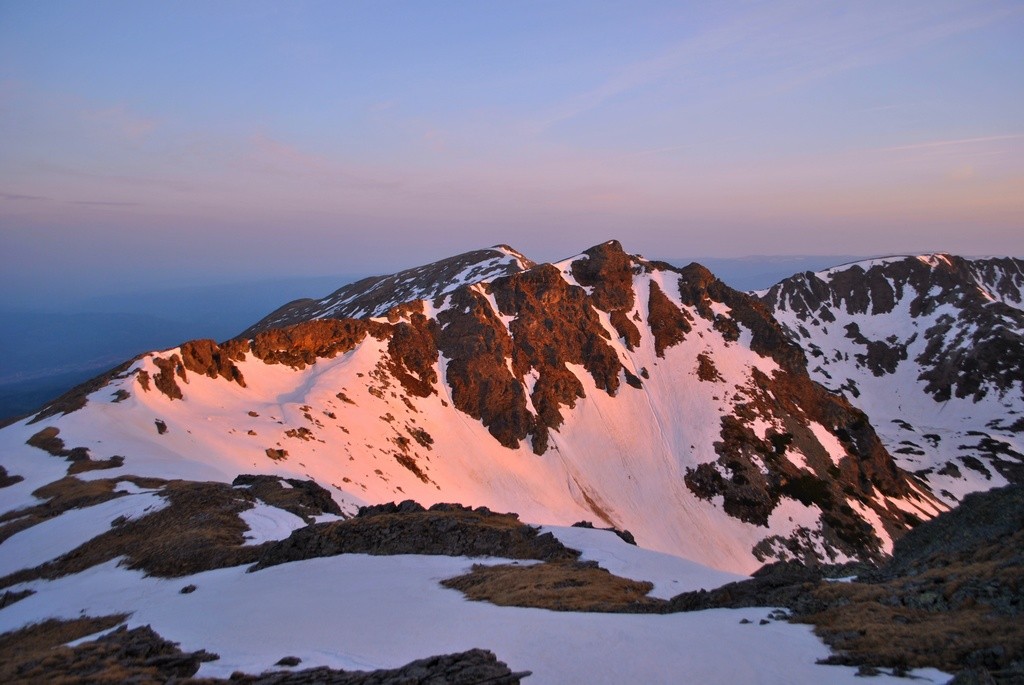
(7, 479)
(868, 627)
(38, 653)
(560, 586)
(25, 654)
(198, 530)
(47, 440)
(63, 495)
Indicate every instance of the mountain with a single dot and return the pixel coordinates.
(585, 389)
(252, 482)
(931, 347)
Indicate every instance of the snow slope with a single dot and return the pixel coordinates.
(368, 612)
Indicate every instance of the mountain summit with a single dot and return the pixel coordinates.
(604, 387)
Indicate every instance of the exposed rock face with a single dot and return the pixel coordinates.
(206, 357)
(554, 325)
(968, 313)
(608, 272)
(932, 347)
(669, 324)
(475, 345)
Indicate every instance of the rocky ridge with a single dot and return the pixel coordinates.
(542, 358)
(375, 295)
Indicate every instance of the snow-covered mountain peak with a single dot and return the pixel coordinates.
(932, 348)
(605, 387)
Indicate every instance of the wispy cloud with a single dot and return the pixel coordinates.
(102, 203)
(21, 196)
(780, 46)
(951, 143)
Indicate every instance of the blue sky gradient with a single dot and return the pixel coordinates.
(143, 143)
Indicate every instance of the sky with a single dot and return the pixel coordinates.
(145, 143)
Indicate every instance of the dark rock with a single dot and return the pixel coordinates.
(669, 324)
(973, 676)
(474, 667)
(625, 535)
(305, 498)
(980, 519)
(9, 597)
(407, 528)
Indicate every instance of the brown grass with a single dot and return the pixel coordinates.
(23, 652)
(84, 465)
(199, 530)
(560, 586)
(47, 440)
(867, 629)
(61, 495)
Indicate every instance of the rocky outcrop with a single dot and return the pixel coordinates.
(138, 655)
(473, 667)
(950, 597)
(301, 344)
(408, 528)
(413, 353)
(304, 498)
(608, 272)
(669, 324)
(475, 345)
(213, 360)
(554, 325)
